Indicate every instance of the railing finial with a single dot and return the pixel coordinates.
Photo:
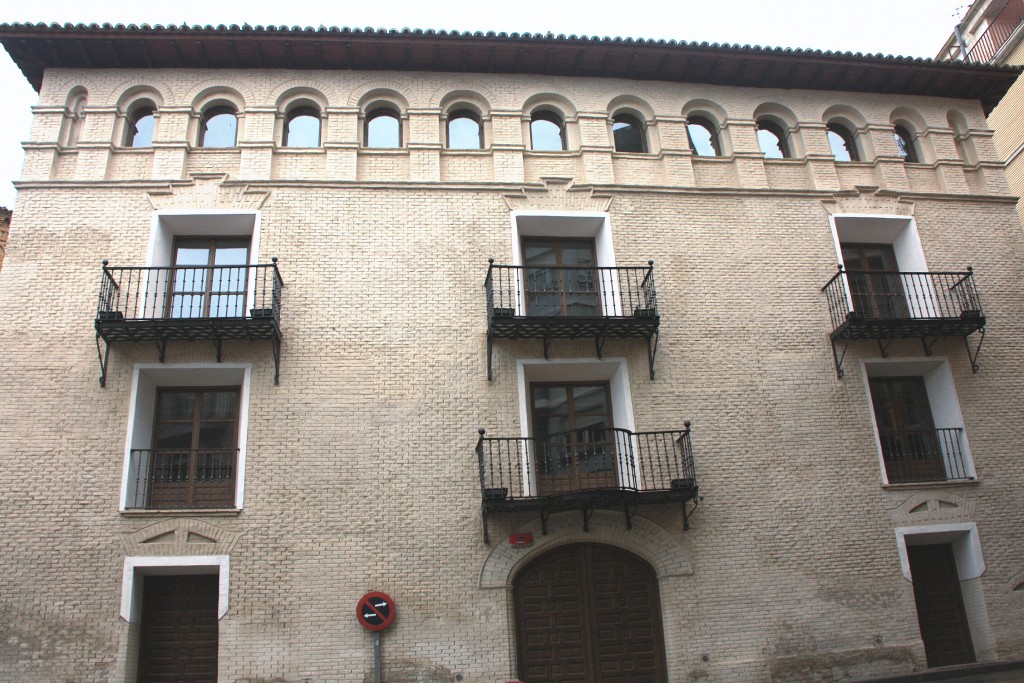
(970, 269)
(686, 423)
(491, 261)
(105, 263)
(840, 267)
(273, 259)
(650, 262)
(482, 431)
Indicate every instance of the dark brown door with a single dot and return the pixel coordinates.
(561, 279)
(940, 605)
(589, 614)
(195, 448)
(210, 278)
(875, 284)
(179, 629)
(575, 445)
(910, 444)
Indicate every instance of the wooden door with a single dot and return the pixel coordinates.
(875, 284)
(560, 278)
(910, 445)
(178, 641)
(940, 605)
(589, 614)
(574, 443)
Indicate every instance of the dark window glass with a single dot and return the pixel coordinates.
(547, 132)
(703, 140)
(575, 447)
(464, 130)
(302, 128)
(905, 144)
(628, 133)
(219, 129)
(140, 128)
(910, 444)
(383, 129)
(210, 278)
(772, 140)
(840, 140)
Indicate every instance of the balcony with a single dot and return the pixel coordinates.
(586, 469)
(182, 479)
(923, 455)
(890, 305)
(541, 302)
(998, 32)
(210, 303)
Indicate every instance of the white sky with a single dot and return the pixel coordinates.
(915, 28)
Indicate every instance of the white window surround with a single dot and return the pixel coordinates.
(595, 225)
(942, 398)
(148, 377)
(612, 370)
(964, 538)
(131, 590)
(898, 231)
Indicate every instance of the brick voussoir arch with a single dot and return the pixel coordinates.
(646, 540)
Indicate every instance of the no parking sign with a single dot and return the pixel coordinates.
(375, 611)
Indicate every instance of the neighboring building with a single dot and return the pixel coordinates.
(281, 239)
(992, 32)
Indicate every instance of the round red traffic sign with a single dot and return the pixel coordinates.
(375, 611)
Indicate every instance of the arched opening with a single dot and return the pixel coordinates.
(219, 127)
(302, 127)
(841, 142)
(703, 137)
(547, 131)
(464, 130)
(771, 137)
(589, 613)
(141, 123)
(628, 132)
(905, 144)
(383, 129)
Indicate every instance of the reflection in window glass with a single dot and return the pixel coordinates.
(546, 132)
(628, 133)
(905, 144)
(383, 129)
(772, 140)
(302, 128)
(220, 127)
(140, 128)
(464, 131)
(702, 137)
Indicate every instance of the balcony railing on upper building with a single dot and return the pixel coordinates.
(890, 305)
(182, 479)
(923, 455)
(997, 33)
(586, 469)
(571, 302)
(189, 303)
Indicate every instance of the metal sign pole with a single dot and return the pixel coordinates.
(376, 657)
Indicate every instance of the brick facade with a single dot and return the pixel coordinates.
(360, 472)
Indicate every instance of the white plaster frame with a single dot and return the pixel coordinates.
(613, 370)
(965, 541)
(942, 398)
(147, 377)
(131, 594)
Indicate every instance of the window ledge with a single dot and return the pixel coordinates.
(215, 150)
(909, 486)
(133, 150)
(215, 512)
(385, 151)
(299, 150)
(467, 152)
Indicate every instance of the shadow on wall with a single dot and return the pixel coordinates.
(5, 226)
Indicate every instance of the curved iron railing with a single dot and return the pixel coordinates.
(585, 460)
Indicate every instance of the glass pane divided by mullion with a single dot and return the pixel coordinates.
(196, 419)
(560, 279)
(210, 278)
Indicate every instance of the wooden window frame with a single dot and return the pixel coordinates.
(208, 293)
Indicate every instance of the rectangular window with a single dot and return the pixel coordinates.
(209, 278)
(875, 283)
(560, 278)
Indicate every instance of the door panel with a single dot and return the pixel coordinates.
(589, 614)
(574, 443)
(875, 284)
(940, 605)
(178, 642)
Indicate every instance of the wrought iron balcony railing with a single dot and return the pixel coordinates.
(888, 305)
(586, 469)
(549, 302)
(181, 479)
(189, 303)
(998, 32)
(923, 455)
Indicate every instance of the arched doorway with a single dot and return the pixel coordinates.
(589, 613)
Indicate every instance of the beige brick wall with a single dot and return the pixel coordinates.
(361, 470)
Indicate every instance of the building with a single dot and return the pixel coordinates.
(991, 32)
(252, 328)
(5, 225)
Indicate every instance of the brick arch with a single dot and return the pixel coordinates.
(124, 93)
(299, 85)
(370, 89)
(646, 540)
(231, 86)
(452, 91)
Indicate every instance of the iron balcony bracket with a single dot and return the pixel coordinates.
(838, 357)
(977, 351)
(652, 351)
(276, 342)
(543, 522)
(104, 356)
(630, 510)
(687, 513)
(483, 517)
(218, 343)
(599, 344)
(883, 348)
(490, 355)
(587, 514)
(547, 346)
